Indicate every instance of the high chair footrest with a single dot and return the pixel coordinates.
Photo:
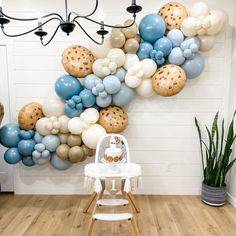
(112, 202)
(112, 217)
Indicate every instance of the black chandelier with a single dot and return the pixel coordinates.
(67, 25)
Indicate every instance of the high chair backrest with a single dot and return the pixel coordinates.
(104, 142)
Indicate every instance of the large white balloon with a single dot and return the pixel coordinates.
(149, 67)
(189, 26)
(91, 135)
(130, 60)
(215, 24)
(100, 51)
(224, 19)
(145, 88)
(53, 107)
(75, 126)
(116, 55)
(206, 42)
(199, 9)
(41, 126)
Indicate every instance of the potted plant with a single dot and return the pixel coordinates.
(216, 160)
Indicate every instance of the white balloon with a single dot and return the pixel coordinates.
(132, 81)
(224, 18)
(63, 120)
(130, 60)
(100, 51)
(91, 135)
(75, 125)
(41, 126)
(149, 67)
(189, 26)
(63, 137)
(199, 9)
(206, 42)
(215, 24)
(91, 115)
(116, 55)
(100, 69)
(53, 107)
(145, 88)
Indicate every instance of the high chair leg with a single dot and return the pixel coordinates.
(133, 202)
(89, 202)
(90, 227)
(135, 227)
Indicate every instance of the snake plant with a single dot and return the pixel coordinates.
(216, 151)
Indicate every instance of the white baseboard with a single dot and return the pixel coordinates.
(231, 199)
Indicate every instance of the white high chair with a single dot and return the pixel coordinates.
(120, 178)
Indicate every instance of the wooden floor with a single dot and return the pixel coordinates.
(160, 215)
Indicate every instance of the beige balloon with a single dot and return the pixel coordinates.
(206, 42)
(88, 151)
(138, 38)
(117, 39)
(74, 140)
(62, 151)
(131, 31)
(76, 154)
(131, 45)
(63, 137)
(63, 120)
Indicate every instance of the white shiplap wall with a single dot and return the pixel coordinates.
(161, 131)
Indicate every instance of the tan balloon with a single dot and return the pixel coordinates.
(1, 112)
(131, 31)
(29, 115)
(138, 38)
(131, 46)
(113, 119)
(74, 140)
(168, 80)
(76, 154)
(88, 151)
(173, 13)
(77, 61)
(64, 124)
(62, 151)
(63, 137)
(117, 39)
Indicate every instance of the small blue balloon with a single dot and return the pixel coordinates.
(67, 86)
(91, 80)
(28, 161)
(27, 134)
(87, 97)
(45, 154)
(41, 160)
(51, 142)
(152, 27)
(176, 56)
(10, 135)
(36, 154)
(12, 156)
(59, 164)
(111, 84)
(124, 96)
(120, 74)
(26, 147)
(194, 67)
(144, 50)
(164, 45)
(70, 112)
(38, 138)
(39, 147)
(104, 102)
(176, 37)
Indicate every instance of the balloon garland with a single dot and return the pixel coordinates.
(156, 56)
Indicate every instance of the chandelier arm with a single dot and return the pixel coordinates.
(102, 24)
(32, 19)
(49, 41)
(30, 31)
(90, 14)
(81, 27)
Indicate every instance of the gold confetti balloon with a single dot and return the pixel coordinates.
(168, 80)
(173, 13)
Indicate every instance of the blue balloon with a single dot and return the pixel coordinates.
(28, 161)
(152, 27)
(40, 147)
(194, 67)
(12, 155)
(10, 135)
(176, 37)
(144, 50)
(120, 74)
(27, 134)
(26, 147)
(124, 96)
(91, 81)
(67, 86)
(38, 137)
(72, 112)
(59, 164)
(87, 97)
(176, 56)
(164, 45)
(51, 142)
(41, 158)
(104, 102)
(111, 84)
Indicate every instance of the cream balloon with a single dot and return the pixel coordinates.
(91, 136)
(64, 120)
(117, 39)
(100, 51)
(63, 137)
(41, 126)
(199, 9)
(90, 115)
(131, 31)
(224, 18)
(206, 42)
(145, 88)
(188, 26)
(53, 107)
(75, 125)
(215, 24)
(131, 45)
(132, 81)
(116, 55)
(99, 69)
(149, 67)
(130, 60)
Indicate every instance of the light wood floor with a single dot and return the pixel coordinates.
(160, 215)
